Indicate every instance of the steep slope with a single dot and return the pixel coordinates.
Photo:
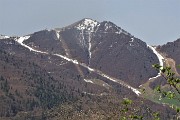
(77, 65)
(114, 51)
(101, 45)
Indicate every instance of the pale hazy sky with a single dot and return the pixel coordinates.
(153, 21)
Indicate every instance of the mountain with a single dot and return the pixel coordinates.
(103, 46)
(83, 69)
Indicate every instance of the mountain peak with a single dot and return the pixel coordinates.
(87, 24)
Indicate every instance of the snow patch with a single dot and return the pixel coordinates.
(90, 69)
(134, 90)
(118, 32)
(57, 34)
(160, 58)
(86, 80)
(84, 65)
(66, 58)
(89, 93)
(130, 42)
(107, 26)
(87, 24)
(22, 39)
(106, 76)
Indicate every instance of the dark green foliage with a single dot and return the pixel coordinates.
(156, 116)
(158, 88)
(128, 112)
(131, 112)
(177, 110)
(171, 79)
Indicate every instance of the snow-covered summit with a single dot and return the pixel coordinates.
(87, 24)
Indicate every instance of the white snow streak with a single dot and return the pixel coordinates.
(90, 81)
(101, 74)
(89, 93)
(66, 58)
(21, 39)
(160, 58)
(84, 65)
(122, 83)
(57, 34)
(89, 45)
